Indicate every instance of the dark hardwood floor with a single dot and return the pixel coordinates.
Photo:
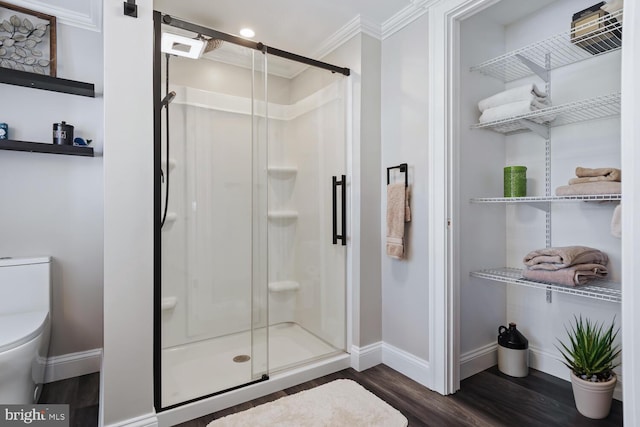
(488, 399)
(80, 393)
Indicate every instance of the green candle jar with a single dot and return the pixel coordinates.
(515, 181)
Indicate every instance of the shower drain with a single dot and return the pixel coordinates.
(241, 358)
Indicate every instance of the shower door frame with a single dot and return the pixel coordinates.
(158, 20)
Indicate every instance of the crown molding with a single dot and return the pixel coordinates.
(90, 20)
(357, 25)
(404, 17)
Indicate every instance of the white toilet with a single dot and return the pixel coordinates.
(25, 326)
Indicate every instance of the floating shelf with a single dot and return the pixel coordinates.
(282, 214)
(38, 81)
(282, 172)
(608, 38)
(39, 147)
(597, 289)
(537, 199)
(283, 286)
(572, 112)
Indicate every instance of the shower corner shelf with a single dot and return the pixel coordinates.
(284, 286)
(602, 37)
(283, 215)
(282, 171)
(597, 289)
(573, 112)
(41, 147)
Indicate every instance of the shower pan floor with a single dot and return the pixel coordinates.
(205, 367)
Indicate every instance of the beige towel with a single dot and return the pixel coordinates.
(397, 214)
(579, 274)
(563, 256)
(521, 93)
(601, 174)
(616, 221)
(589, 188)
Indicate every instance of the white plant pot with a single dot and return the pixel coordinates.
(593, 400)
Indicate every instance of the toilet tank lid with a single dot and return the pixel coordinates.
(10, 261)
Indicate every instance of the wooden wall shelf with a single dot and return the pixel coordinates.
(54, 84)
(39, 147)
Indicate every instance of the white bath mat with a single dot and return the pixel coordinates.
(335, 404)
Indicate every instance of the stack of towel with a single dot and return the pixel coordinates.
(592, 181)
(567, 265)
(514, 102)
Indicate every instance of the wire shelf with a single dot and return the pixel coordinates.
(535, 199)
(597, 289)
(601, 36)
(573, 112)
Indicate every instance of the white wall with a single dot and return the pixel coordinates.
(52, 204)
(127, 368)
(404, 282)
(631, 230)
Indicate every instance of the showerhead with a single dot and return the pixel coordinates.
(167, 99)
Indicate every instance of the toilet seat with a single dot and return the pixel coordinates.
(20, 328)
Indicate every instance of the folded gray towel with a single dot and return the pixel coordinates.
(563, 256)
(579, 274)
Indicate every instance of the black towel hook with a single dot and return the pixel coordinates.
(403, 169)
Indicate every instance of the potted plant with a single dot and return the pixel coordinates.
(591, 355)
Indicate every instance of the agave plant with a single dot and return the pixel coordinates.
(591, 352)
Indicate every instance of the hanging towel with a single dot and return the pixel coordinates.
(521, 93)
(563, 256)
(609, 174)
(616, 221)
(397, 214)
(579, 274)
(588, 188)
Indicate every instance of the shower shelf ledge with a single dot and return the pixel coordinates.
(283, 286)
(282, 171)
(282, 214)
(172, 163)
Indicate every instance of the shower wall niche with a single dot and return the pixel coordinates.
(248, 266)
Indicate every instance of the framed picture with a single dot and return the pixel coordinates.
(27, 40)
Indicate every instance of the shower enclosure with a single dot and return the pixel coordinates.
(251, 214)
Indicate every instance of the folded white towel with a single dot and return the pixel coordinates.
(521, 93)
(514, 109)
(616, 222)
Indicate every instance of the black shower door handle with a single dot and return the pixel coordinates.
(343, 208)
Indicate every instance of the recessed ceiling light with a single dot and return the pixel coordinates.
(247, 32)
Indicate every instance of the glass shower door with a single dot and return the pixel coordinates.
(214, 239)
(307, 270)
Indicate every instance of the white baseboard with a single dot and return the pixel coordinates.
(406, 363)
(73, 365)
(478, 360)
(366, 357)
(147, 420)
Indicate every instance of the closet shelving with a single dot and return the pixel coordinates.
(605, 37)
(540, 58)
(573, 112)
(597, 289)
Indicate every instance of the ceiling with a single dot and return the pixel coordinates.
(299, 26)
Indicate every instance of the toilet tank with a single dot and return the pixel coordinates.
(25, 284)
